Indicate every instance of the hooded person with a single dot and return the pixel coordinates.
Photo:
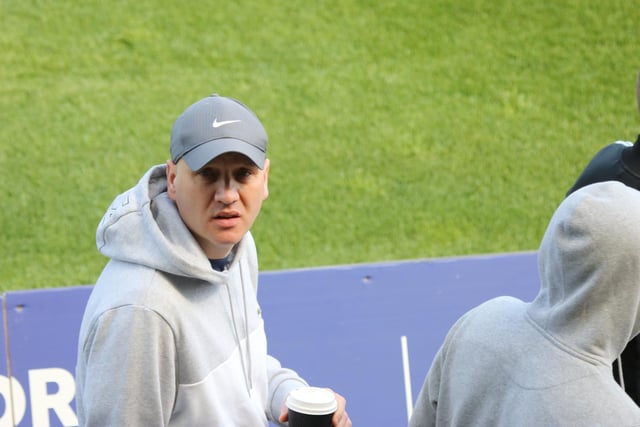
(619, 161)
(172, 334)
(548, 362)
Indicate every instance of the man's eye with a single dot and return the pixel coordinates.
(207, 173)
(243, 174)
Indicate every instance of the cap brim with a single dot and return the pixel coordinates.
(197, 158)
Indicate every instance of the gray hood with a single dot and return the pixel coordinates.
(168, 245)
(589, 266)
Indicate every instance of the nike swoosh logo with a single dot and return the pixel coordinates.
(217, 124)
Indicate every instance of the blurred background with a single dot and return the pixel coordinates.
(398, 130)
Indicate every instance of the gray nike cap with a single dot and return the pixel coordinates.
(216, 125)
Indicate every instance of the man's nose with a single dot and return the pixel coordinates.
(227, 193)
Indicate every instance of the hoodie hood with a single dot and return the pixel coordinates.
(589, 266)
(143, 226)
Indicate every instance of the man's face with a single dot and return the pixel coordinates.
(220, 202)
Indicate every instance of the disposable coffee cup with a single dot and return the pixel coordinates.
(311, 407)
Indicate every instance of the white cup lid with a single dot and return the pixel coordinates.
(312, 401)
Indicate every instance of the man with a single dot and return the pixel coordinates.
(548, 362)
(172, 334)
(619, 161)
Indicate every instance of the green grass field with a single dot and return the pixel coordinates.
(398, 129)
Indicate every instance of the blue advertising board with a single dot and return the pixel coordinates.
(367, 331)
(42, 328)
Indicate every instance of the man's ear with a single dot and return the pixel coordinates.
(265, 169)
(172, 171)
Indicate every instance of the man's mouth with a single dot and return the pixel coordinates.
(227, 215)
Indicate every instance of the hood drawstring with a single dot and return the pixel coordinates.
(246, 328)
(246, 365)
(620, 372)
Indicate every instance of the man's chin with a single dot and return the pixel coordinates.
(219, 246)
(228, 239)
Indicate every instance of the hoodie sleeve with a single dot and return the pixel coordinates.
(132, 387)
(424, 411)
(281, 382)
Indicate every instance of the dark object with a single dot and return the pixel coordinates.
(615, 162)
(297, 419)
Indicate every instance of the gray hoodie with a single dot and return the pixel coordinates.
(548, 363)
(165, 339)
